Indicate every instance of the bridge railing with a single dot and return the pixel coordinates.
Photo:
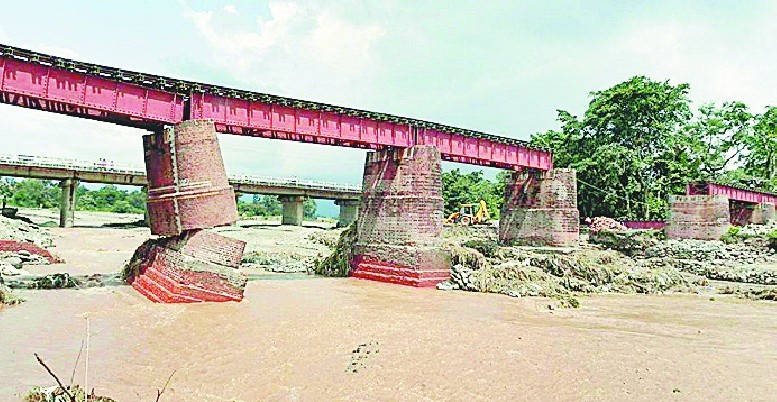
(110, 167)
(71, 164)
(293, 182)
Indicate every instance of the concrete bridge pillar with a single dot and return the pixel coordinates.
(540, 209)
(67, 204)
(399, 231)
(237, 206)
(293, 209)
(349, 211)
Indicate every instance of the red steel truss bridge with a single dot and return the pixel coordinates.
(60, 85)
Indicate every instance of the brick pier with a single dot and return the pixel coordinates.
(764, 213)
(704, 217)
(540, 209)
(399, 229)
(188, 192)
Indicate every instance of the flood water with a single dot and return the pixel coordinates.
(294, 340)
(299, 340)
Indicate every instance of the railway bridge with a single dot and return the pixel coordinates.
(400, 210)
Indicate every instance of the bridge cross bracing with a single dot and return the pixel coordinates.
(60, 85)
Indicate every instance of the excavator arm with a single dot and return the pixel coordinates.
(483, 215)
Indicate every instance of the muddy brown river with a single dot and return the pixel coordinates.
(299, 340)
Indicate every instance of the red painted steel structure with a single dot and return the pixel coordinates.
(733, 193)
(49, 83)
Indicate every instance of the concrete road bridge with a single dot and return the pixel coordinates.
(70, 172)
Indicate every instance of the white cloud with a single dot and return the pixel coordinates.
(38, 47)
(299, 50)
(230, 9)
(717, 67)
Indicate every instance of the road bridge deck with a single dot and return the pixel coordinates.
(49, 168)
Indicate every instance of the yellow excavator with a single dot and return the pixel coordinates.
(466, 216)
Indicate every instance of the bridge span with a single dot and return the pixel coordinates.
(399, 236)
(70, 172)
(55, 84)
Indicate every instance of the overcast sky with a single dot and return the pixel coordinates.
(502, 67)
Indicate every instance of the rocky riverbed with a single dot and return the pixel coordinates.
(622, 262)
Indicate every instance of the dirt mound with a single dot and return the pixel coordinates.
(604, 223)
(526, 272)
(463, 233)
(279, 262)
(327, 238)
(15, 229)
(338, 263)
(629, 242)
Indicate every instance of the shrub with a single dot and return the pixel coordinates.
(731, 235)
(486, 247)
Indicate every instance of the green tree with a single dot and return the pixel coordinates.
(260, 206)
(624, 144)
(760, 157)
(309, 208)
(458, 188)
(32, 193)
(6, 190)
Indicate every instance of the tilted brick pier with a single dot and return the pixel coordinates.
(188, 192)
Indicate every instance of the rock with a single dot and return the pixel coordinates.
(444, 286)
(15, 261)
(9, 270)
(16, 229)
(23, 252)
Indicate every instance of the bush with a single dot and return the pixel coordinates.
(486, 247)
(339, 262)
(731, 236)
